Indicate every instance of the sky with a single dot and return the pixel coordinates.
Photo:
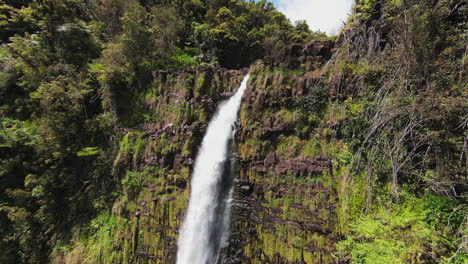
(324, 15)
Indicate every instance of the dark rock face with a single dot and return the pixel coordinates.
(201, 85)
(255, 222)
(283, 210)
(272, 126)
(316, 51)
(160, 153)
(300, 166)
(303, 167)
(242, 209)
(292, 50)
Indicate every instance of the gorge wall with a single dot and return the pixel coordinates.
(155, 161)
(350, 149)
(332, 134)
(284, 206)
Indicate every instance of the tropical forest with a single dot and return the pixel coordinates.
(224, 132)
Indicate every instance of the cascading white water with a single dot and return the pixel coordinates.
(202, 232)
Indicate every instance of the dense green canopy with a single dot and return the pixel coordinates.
(390, 106)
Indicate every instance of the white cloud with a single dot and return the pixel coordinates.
(324, 15)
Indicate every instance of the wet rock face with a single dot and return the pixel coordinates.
(272, 126)
(303, 167)
(284, 207)
(159, 154)
(299, 167)
(269, 226)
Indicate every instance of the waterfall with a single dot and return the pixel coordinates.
(204, 227)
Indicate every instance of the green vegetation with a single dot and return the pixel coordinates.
(355, 145)
(73, 74)
(389, 109)
(403, 174)
(401, 234)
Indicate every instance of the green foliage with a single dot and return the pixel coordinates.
(366, 9)
(100, 231)
(88, 151)
(344, 157)
(184, 59)
(75, 44)
(391, 135)
(132, 179)
(445, 212)
(75, 91)
(315, 102)
(397, 235)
